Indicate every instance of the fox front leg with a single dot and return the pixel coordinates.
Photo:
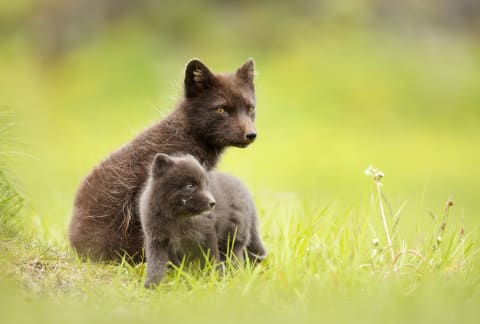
(157, 259)
(212, 245)
(215, 258)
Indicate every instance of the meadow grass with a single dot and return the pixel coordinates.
(341, 104)
(324, 264)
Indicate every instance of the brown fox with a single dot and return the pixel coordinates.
(217, 111)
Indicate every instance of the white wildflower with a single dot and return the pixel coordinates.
(376, 174)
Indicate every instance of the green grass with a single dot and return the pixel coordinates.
(322, 265)
(326, 110)
(10, 201)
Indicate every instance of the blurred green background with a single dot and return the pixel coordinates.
(340, 85)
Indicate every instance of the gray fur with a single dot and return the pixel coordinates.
(236, 217)
(174, 218)
(173, 230)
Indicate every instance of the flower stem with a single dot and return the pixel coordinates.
(384, 220)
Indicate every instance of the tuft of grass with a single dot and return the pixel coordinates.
(431, 253)
(10, 205)
(10, 201)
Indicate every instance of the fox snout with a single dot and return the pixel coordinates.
(250, 136)
(210, 200)
(211, 204)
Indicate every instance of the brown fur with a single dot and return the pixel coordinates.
(105, 223)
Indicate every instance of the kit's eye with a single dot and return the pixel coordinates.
(190, 186)
(251, 110)
(222, 111)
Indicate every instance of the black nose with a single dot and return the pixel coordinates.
(211, 204)
(250, 136)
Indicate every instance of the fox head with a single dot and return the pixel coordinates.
(220, 108)
(178, 186)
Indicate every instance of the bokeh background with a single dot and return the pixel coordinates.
(340, 85)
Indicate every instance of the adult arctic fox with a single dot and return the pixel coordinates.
(217, 111)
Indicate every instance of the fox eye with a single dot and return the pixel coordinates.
(222, 111)
(251, 109)
(190, 186)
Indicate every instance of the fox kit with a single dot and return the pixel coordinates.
(174, 215)
(179, 219)
(217, 111)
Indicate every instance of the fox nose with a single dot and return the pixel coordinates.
(251, 136)
(212, 204)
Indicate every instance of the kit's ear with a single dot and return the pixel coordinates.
(160, 164)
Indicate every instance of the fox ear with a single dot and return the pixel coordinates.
(247, 71)
(198, 78)
(160, 164)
